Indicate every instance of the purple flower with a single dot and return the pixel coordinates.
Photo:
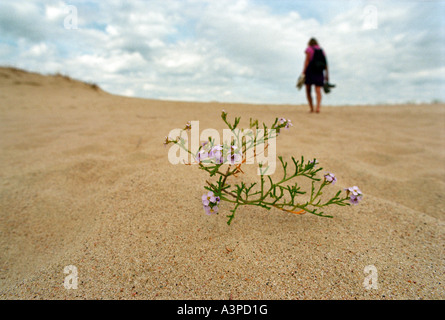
(234, 158)
(211, 210)
(282, 120)
(288, 124)
(202, 155)
(207, 197)
(217, 154)
(355, 199)
(354, 190)
(356, 195)
(188, 126)
(213, 199)
(329, 177)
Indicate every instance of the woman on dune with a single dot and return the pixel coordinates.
(316, 72)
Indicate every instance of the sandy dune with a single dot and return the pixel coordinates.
(85, 181)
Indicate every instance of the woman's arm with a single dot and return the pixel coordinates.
(306, 62)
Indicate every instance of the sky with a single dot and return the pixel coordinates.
(248, 51)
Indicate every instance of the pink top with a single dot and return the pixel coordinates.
(310, 50)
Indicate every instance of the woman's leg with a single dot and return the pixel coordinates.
(309, 96)
(318, 92)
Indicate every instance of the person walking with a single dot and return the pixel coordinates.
(316, 72)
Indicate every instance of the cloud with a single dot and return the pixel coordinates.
(22, 21)
(234, 50)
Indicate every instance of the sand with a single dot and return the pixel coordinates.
(85, 181)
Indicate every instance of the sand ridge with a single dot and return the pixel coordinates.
(85, 181)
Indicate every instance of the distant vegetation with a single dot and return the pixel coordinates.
(93, 85)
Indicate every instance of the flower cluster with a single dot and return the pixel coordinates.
(218, 154)
(354, 194)
(210, 203)
(287, 123)
(282, 123)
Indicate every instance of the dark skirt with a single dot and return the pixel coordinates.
(314, 78)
